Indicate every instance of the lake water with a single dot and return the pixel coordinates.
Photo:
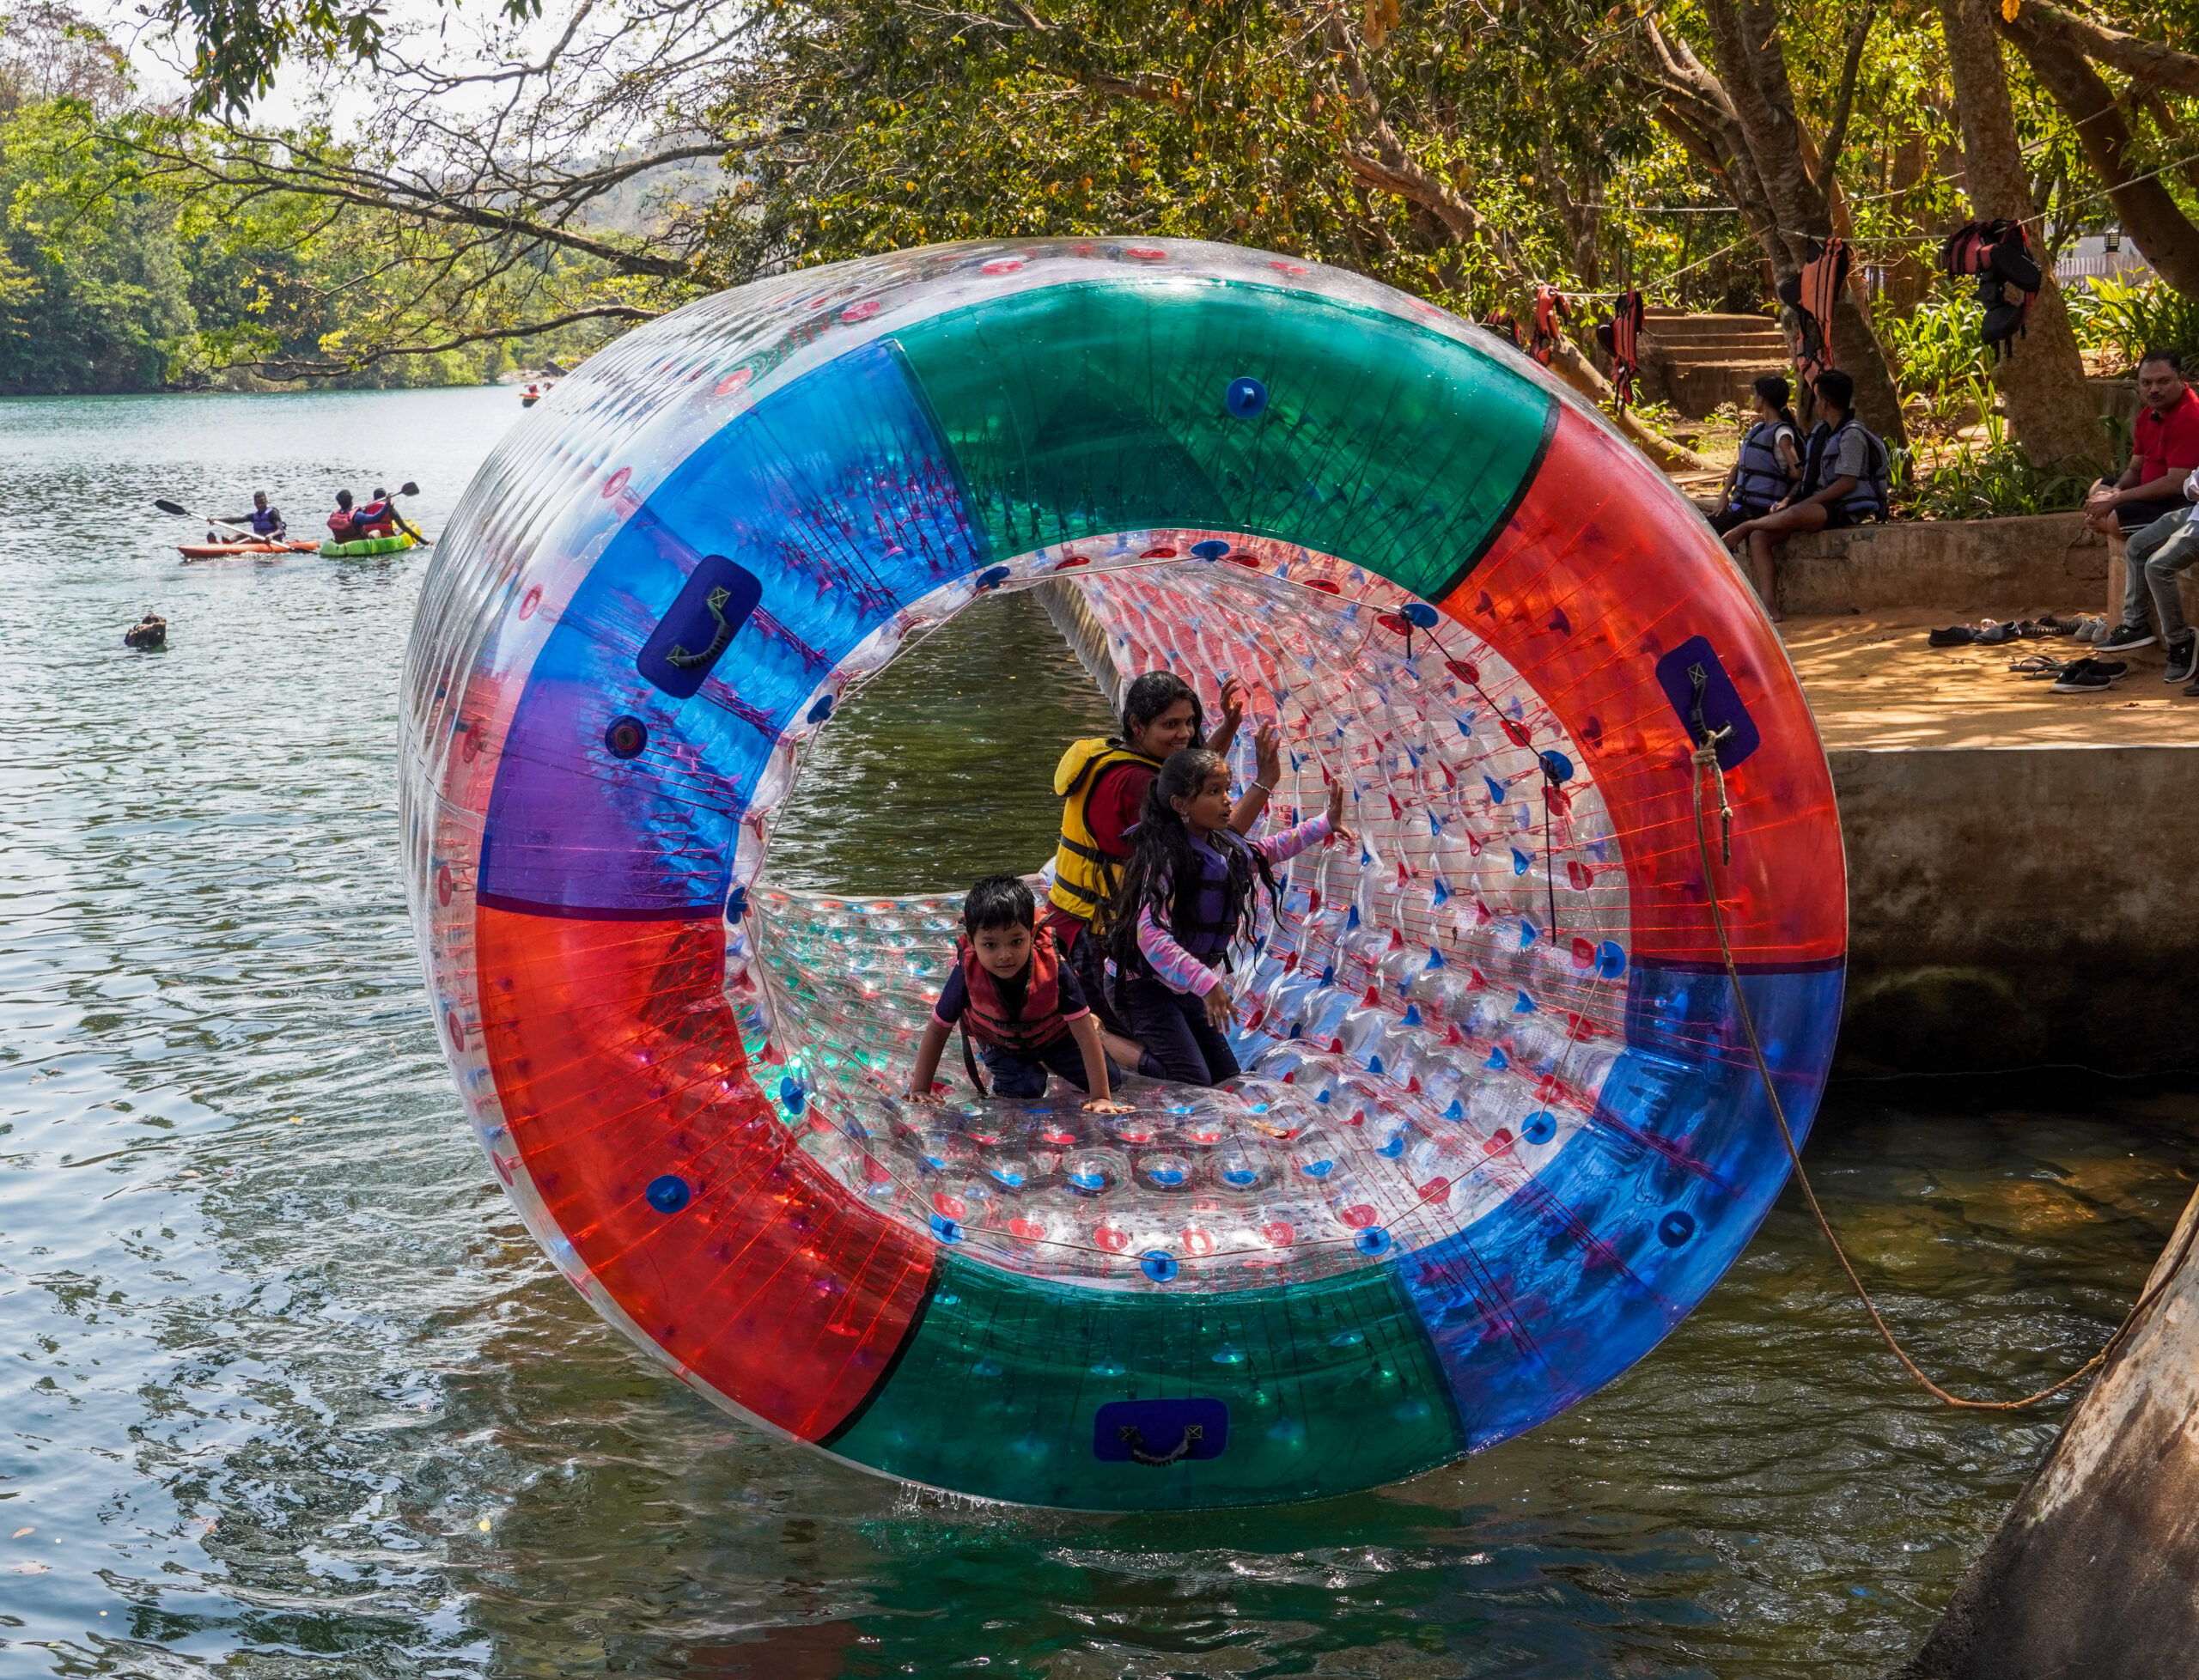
(285, 1390)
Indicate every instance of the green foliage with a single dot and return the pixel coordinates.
(2132, 317)
(1996, 481)
(1938, 347)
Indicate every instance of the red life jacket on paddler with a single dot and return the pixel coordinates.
(1040, 1023)
(375, 518)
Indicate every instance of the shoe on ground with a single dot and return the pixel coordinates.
(2089, 676)
(2181, 659)
(2122, 640)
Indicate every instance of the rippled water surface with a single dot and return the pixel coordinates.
(284, 1389)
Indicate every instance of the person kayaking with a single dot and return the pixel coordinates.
(265, 522)
(377, 518)
(344, 523)
(380, 517)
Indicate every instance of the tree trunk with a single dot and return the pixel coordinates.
(1761, 124)
(2043, 384)
(2150, 213)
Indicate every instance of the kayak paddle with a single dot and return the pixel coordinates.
(408, 487)
(169, 506)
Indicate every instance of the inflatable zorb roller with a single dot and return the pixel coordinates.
(1500, 1127)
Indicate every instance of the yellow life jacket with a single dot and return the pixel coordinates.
(1083, 874)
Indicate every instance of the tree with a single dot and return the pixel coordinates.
(2056, 45)
(1742, 125)
(2042, 382)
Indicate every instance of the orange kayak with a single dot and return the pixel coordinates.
(223, 551)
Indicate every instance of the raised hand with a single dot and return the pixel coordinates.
(1267, 754)
(1336, 829)
(1234, 695)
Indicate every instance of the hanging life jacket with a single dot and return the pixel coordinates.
(1869, 498)
(1997, 254)
(1551, 311)
(1621, 336)
(1039, 1024)
(1760, 483)
(1503, 325)
(1083, 874)
(1810, 296)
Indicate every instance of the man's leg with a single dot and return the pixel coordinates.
(1770, 530)
(2157, 554)
(2160, 552)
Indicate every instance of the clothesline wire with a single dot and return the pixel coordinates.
(1878, 241)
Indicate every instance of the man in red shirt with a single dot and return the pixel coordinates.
(2164, 448)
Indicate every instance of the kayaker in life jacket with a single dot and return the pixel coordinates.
(377, 518)
(1102, 785)
(344, 523)
(1192, 888)
(1770, 461)
(266, 523)
(1846, 480)
(1012, 993)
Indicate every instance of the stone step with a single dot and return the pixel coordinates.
(1691, 335)
(1687, 325)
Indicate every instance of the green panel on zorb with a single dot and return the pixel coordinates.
(1079, 410)
(1296, 1393)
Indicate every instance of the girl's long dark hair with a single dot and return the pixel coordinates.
(1162, 864)
(1153, 694)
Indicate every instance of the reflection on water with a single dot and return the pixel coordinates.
(286, 1391)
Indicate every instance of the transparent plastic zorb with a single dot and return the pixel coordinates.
(1499, 1131)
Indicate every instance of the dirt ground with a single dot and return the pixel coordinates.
(1872, 681)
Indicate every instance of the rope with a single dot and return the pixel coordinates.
(1706, 757)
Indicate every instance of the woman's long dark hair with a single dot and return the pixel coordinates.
(1162, 865)
(1775, 390)
(1155, 693)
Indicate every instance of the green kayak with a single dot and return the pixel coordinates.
(365, 545)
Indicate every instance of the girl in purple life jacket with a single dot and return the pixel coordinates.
(1191, 888)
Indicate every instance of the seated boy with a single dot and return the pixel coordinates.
(1846, 473)
(1012, 992)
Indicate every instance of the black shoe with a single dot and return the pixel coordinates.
(2124, 640)
(2089, 676)
(2181, 661)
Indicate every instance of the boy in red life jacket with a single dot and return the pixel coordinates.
(1011, 991)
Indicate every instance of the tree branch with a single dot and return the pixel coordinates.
(329, 369)
(2149, 62)
(1836, 136)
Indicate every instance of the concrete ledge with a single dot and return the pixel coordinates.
(2010, 906)
(2001, 568)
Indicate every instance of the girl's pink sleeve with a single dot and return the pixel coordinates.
(1178, 969)
(1280, 848)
